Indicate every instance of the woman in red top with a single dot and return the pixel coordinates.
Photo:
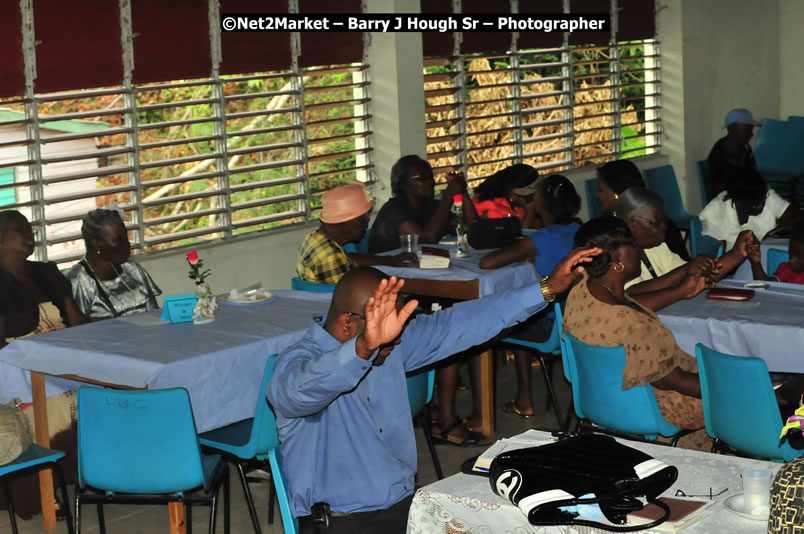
(501, 195)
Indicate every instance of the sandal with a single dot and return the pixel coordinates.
(473, 439)
(510, 407)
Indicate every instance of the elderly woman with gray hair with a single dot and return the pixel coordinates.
(106, 283)
(659, 283)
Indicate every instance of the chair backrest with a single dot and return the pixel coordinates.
(591, 198)
(778, 148)
(420, 390)
(598, 395)
(703, 181)
(739, 404)
(269, 437)
(703, 244)
(359, 247)
(137, 441)
(776, 257)
(303, 285)
(662, 180)
(562, 343)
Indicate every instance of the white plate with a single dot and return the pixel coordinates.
(735, 505)
(249, 297)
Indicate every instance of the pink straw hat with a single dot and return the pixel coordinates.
(344, 203)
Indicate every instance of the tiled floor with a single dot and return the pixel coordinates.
(150, 519)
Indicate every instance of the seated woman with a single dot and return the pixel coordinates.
(659, 282)
(747, 204)
(556, 203)
(413, 208)
(613, 179)
(34, 299)
(106, 283)
(506, 194)
(600, 312)
(34, 296)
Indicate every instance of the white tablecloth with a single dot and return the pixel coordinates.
(466, 503)
(220, 363)
(743, 272)
(491, 281)
(769, 326)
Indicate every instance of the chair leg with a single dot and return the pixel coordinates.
(549, 384)
(425, 419)
(60, 474)
(249, 500)
(10, 509)
(271, 497)
(226, 510)
(101, 520)
(77, 509)
(188, 516)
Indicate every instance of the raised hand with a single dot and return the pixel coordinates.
(569, 269)
(384, 322)
(456, 183)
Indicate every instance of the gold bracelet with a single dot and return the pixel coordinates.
(548, 297)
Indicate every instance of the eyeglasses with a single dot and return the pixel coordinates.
(421, 177)
(680, 493)
(356, 315)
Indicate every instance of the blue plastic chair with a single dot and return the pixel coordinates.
(703, 181)
(551, 346)
(662, 180)
(420, 393)
(303, 285)
(141, 447)
(703, 244)
(32, 459)
(591, 198)
(256, 440)
(359, 247)
(776, 257)
(778, 148)
(597, 378)
(740, 406)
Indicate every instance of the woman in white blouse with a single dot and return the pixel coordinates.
(746, 204)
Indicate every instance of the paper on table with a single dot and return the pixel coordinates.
(143, 319)
(531, 438)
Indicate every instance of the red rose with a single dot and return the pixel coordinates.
(192, 257)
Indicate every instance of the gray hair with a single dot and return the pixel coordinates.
(637, 202)
(95, 221)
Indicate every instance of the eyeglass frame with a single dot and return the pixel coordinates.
(680, 493)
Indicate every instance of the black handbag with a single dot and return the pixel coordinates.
(494, 233)
(541, 480)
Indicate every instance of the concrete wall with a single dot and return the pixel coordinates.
(791, 44)
(716, 55)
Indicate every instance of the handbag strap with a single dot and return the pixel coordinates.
(604, 526)
(101, 291)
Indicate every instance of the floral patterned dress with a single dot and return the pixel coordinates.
(651, 352)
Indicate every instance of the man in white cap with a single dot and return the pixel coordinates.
(344, 219)
(731, 153)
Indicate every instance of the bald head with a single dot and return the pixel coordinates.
(352, 292)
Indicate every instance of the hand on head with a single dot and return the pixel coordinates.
(569, 269)
(384, 322)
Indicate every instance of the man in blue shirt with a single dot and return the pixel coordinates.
(341, 398)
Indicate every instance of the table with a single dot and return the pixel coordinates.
(465, 280)
(769, 326)
(220, 364)
(743, 272)
(466, 503)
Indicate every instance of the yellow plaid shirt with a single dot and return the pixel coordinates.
(322, 260)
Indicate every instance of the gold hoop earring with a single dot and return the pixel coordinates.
(616, 196)
(616, 270)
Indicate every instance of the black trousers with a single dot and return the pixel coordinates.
(393, 520)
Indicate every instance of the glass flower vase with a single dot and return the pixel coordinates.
(204, 311)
